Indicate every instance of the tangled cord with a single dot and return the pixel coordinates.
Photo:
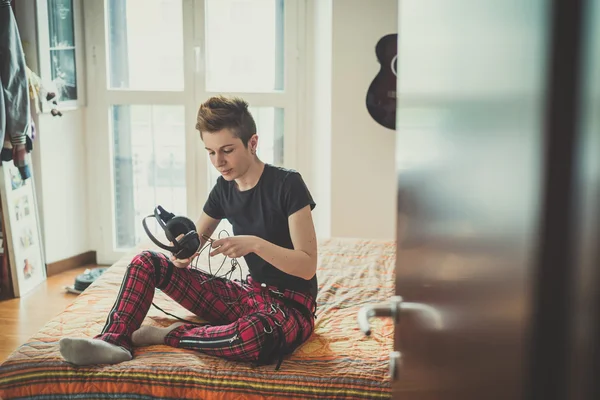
(227, 275)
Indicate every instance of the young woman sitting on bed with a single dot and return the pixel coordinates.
(257, 320)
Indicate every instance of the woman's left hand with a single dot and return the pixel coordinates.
(234, 246)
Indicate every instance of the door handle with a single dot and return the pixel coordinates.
(394, 309)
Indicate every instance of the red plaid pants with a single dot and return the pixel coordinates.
(249, 321)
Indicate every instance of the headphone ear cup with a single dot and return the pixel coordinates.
(180, 226)
(189, 224)
(170, 236)
(189, 243)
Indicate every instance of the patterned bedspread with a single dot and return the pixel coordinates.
(337, 362)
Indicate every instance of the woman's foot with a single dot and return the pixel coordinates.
(149, 335)
(80, 351)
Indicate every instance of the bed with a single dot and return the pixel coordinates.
(337, 362)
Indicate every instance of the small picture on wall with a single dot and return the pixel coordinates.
(22, 207)
(29, 266)
(26, 238)
(28, 269)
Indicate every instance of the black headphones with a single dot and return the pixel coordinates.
(173, 227)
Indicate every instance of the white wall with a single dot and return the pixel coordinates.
(318, 144)
(353, 162)
(59, 165)
(61, 148)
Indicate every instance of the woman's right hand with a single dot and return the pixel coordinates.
(183, 263)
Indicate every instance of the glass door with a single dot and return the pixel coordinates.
(140, 117)
(251, 50)
(153, 62)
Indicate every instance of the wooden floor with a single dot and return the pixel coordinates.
(20, 318)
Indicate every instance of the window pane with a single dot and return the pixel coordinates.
(60, 23)
(145, 40)
(64, 73)
(269, 127)
(244, 45)
(149, 167)
(62, 48)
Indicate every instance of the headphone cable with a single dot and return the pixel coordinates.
(234, 264)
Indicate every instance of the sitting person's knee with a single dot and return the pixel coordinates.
(151, 261)
(143, 259)
(154, 263)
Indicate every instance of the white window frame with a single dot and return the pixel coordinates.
(100, 98)
(43, 50)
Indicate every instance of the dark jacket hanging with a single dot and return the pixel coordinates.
(15, 117)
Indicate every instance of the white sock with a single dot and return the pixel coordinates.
(81, 351)
(149, 335)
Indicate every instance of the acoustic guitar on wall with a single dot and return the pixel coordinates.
(381, 95)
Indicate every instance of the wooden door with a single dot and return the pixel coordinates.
(498, 195)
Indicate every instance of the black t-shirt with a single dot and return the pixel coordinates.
(263, 211)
